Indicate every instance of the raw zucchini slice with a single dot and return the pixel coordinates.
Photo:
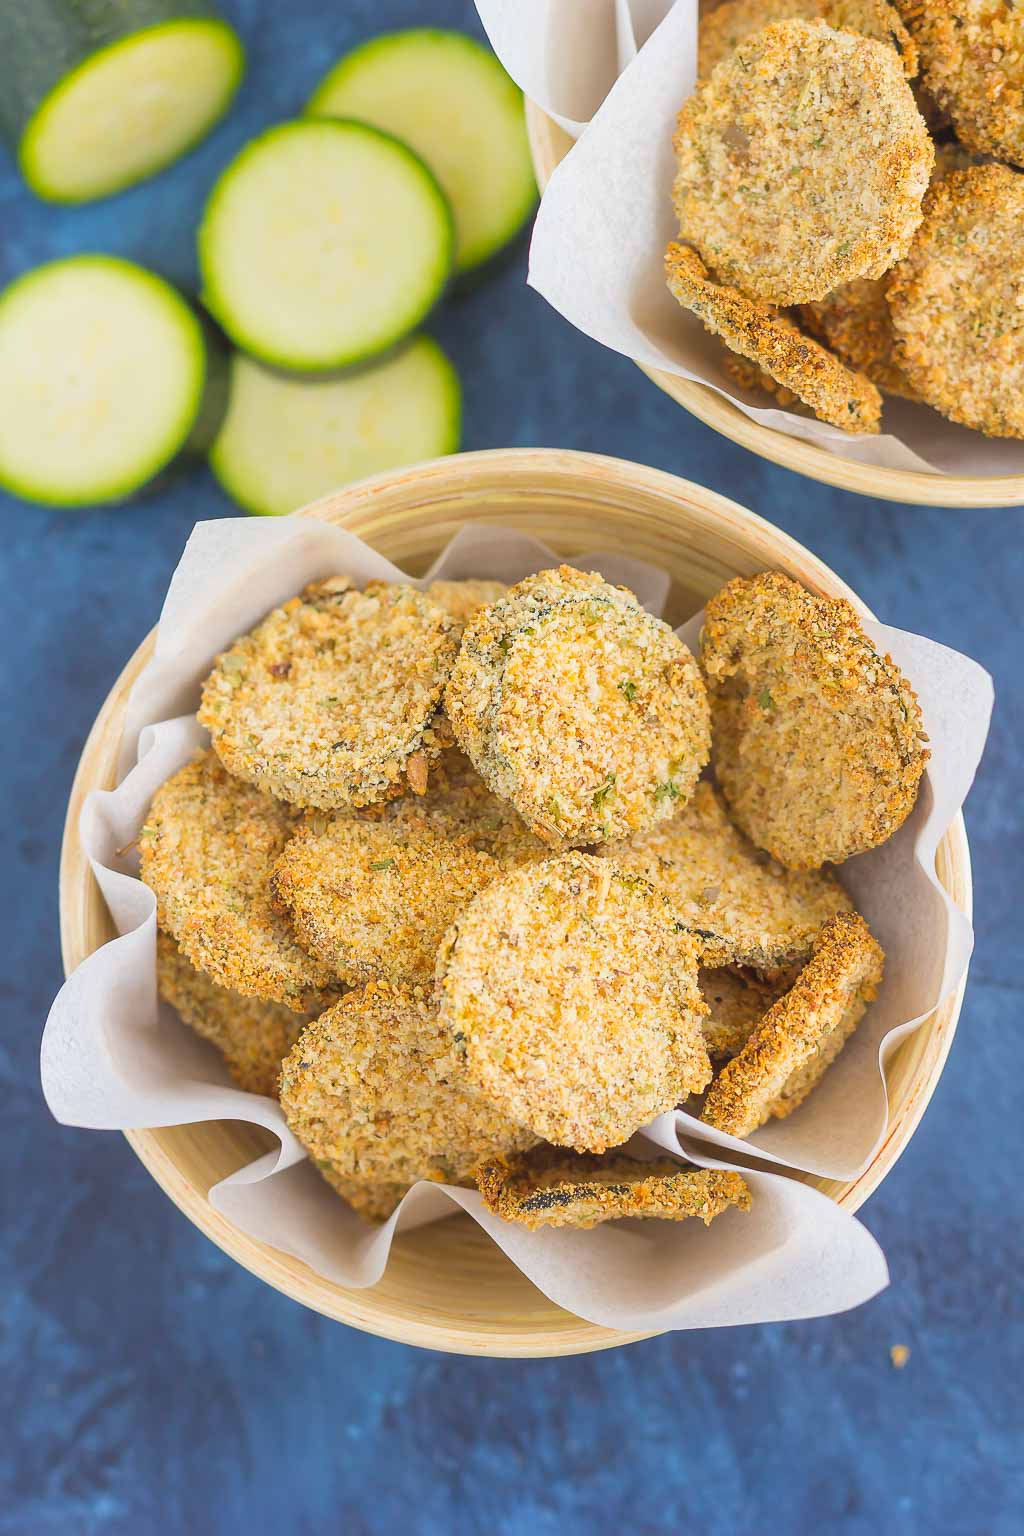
(106, 376)
(447, 96)
(99, 94)
(323, 244)
(285, 441)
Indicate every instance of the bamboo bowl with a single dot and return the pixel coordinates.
(447, 1286)
(549, 144)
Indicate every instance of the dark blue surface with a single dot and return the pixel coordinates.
(150, 1387)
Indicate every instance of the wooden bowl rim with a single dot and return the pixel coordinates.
(291, 1276)
(549, 143)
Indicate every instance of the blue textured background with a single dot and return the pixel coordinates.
(148, 1386)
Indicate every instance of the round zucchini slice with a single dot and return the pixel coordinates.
(97, 96)
(323, 245)
(106, 375)
(286, 441)
(446, 95)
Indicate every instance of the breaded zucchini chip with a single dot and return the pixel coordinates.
(550, 1187)
(802, 161)
(955, 301)
(374, 1088)
(373, 896)
(800, 1037)
(208, 848)
(461, 599)
(332, 701)
(737, 1002)
(579, 708)
(253, 1037)
(972, 61)
(570, 992)
(730, 23)
(745, 908)
(815, 375)
(818, 745)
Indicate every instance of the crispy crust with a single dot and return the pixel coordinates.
(332, 700)
(578, 707)
(802, 1034)
(802, 161)
(745, 908)
(854, 320)
(817, 738)
(730, 23)
(373, 898)
(749, 376)
(373, 1200)
(374, 1088)
(955, 301)
(571, 993)
(737, 1002)
(207, 850)
(461, 599)
(253, 1037)
(550, 1187)
(972, 60)
(834, 392)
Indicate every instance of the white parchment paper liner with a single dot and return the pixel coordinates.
(112, 1058)
(606, 218)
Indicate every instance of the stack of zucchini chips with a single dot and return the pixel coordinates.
(453, 882)
(322, 248)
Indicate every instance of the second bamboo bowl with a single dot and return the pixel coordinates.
(549, 144)
(447, 1286)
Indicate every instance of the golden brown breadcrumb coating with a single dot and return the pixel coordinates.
(731, 22)
(550, 1187)
(579, 707)
(571, 993)
(332, 700)
(253, 1037)
(207, 850)
(802, 1034)
(372, 894)
(749, 376)
(972, 63)
(461, 599)
(817, 737)
(854, 320)
(743, 906)
(834, 392)
(737, 1002)
(801, 163)
(374, 1088)
(955, 301)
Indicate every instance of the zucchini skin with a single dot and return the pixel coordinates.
(43, 41)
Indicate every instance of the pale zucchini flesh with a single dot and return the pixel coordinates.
(287, 441)
(323, 245)
(106, 377)
(447, 96)
(99, 94)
